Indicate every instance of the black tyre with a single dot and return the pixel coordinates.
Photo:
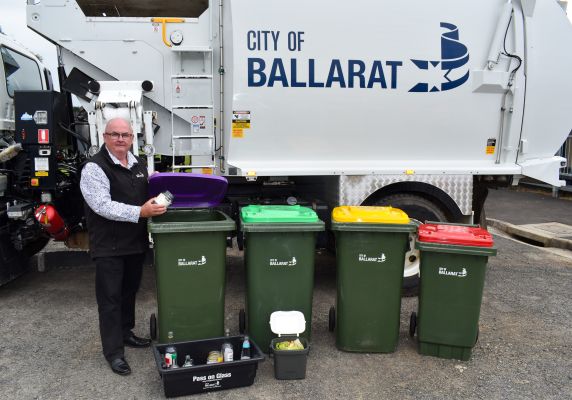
(480, 194)
(153, 327)
(482, 219)
(332, 319)
(241, 321)
(420, 210)
(35, 247)
(412, 324)
(13, 262)
(478, 331)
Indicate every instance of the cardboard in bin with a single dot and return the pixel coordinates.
(203, 377)
(289, 364)
(189, 190)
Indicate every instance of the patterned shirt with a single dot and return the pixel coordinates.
(95, 188)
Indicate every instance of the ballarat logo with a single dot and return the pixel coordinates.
(183, 262)
(458, 274)
(445, 72)
(454, 57)
(274, 262)
(377, 259)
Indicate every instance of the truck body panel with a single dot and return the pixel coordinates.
(331, 89)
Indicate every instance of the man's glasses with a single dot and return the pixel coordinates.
(117, 135)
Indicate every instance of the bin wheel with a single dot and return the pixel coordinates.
(332, 319)
(477, 338)
(412, 324)
(241, 321)
(153, 327)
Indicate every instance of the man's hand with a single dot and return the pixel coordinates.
(151, 209)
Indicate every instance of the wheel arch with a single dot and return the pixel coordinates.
(425, 190)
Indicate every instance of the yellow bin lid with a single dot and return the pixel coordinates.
(371, 215)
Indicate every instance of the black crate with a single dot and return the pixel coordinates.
(203, 377)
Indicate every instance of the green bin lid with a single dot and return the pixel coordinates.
(278, 214)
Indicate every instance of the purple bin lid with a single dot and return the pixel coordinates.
(189, 190)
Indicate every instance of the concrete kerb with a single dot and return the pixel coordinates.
(46, 260)
(545, 239)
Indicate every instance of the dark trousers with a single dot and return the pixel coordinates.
(117, 280)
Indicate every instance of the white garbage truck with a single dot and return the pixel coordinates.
(422, 105)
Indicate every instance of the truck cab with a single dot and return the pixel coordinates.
(20, 70)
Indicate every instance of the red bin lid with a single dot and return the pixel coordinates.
(455, 235)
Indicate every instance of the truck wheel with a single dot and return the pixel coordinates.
(13, 262)
(35, 247)
(419, 210)
(482, 219)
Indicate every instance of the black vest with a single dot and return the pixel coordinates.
(115, 238)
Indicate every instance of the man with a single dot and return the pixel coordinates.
(114, 186)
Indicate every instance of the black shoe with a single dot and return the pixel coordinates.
(134, 341)
(120, 366)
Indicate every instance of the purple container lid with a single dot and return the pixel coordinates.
(189, 190)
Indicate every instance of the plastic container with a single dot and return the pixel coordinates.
(453, 266)
(190, 263)
(371, 243)
(279, 256)
(202, 377)
(288, 364)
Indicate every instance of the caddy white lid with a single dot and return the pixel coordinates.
(287, 322)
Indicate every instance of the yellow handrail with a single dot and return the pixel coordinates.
(164, 22)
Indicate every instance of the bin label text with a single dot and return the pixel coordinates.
(377, 259)
(458, 274)
(183, 262)
(274, 262)
(212, 381)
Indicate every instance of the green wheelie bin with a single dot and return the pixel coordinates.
(453, 265)
(190, 264)
(371, 243)
(279, 253)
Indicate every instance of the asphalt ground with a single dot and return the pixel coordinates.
(520, 205)
(533, 216)
(50, 347)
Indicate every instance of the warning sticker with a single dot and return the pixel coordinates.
(241, 124)
(43, 136)
(41, 164)
(41, 173)
(491, 145)
(240, 115)
(240, 120)
(237, 132)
